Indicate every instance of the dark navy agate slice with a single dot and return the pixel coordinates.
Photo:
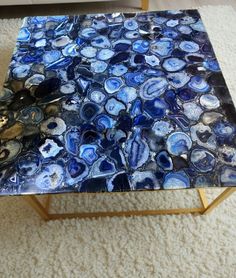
(115, 102)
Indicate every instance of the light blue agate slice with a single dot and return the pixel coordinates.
(113, 106)
(178, 79)
(192, 111)
(113, 84)
(198, 26)
(72, 140)
(162, 128)
(127, 94)
(153, 87)
(97, 96)
(88, 51)
(21, 71)
(105, 54)
(101, 42)
(24, 35)
(178, 143)
(209, 101)
(173, 64)
(141, 46)
(202, 160)
(189, 46)
(118, 70)
(199, 84)
(162, 47)
(51, 56)
(88, 153)
(70, 50)
(99, 66)
(130, 24)
(176, 180)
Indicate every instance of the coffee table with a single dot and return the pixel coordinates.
(116, 103)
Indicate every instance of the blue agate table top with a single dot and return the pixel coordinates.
(115, 102)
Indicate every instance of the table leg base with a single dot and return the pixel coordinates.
(145, 4)
(44, 211)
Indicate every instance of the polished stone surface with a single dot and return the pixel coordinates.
(115, 102)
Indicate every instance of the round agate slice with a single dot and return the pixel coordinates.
(137, 150)
(98, 66)
(176, 180)
(178, 143)
(189, 46)
(70, 50)
(88, 153)
(153, 87)
(202, 160)
(53, 126)
(31, 115)
(127, 94)
(209, 101)
(24, 35)
(118, 70)
(198, 84)
(101, 42)
(68, 88)
(178, 79)
(113, 106)
(140, 46)
(113, 84)
(130, 24)
(105, 54)
(51, 56)
(162, 128)
(50, 177)
(103, 167)
(88, 33)
(21, 71)
(97, 96)
(61, 41)
(162, 47)
(173, 64)
(34, 80)
(192, 111)
(88, 51)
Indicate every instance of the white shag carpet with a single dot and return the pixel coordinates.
(183, 246)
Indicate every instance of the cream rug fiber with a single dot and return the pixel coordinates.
(156, 246)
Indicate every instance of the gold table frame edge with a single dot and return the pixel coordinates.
(44, 210)
(145, 4)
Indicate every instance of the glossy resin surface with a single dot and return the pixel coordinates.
(115, 102)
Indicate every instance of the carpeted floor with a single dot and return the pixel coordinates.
(161, 246)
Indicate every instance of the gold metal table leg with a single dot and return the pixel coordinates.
(37, 206)
(225, 194)
(205, 208)
(145, 4)
(203, 199)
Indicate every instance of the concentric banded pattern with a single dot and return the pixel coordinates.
(115, 102)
